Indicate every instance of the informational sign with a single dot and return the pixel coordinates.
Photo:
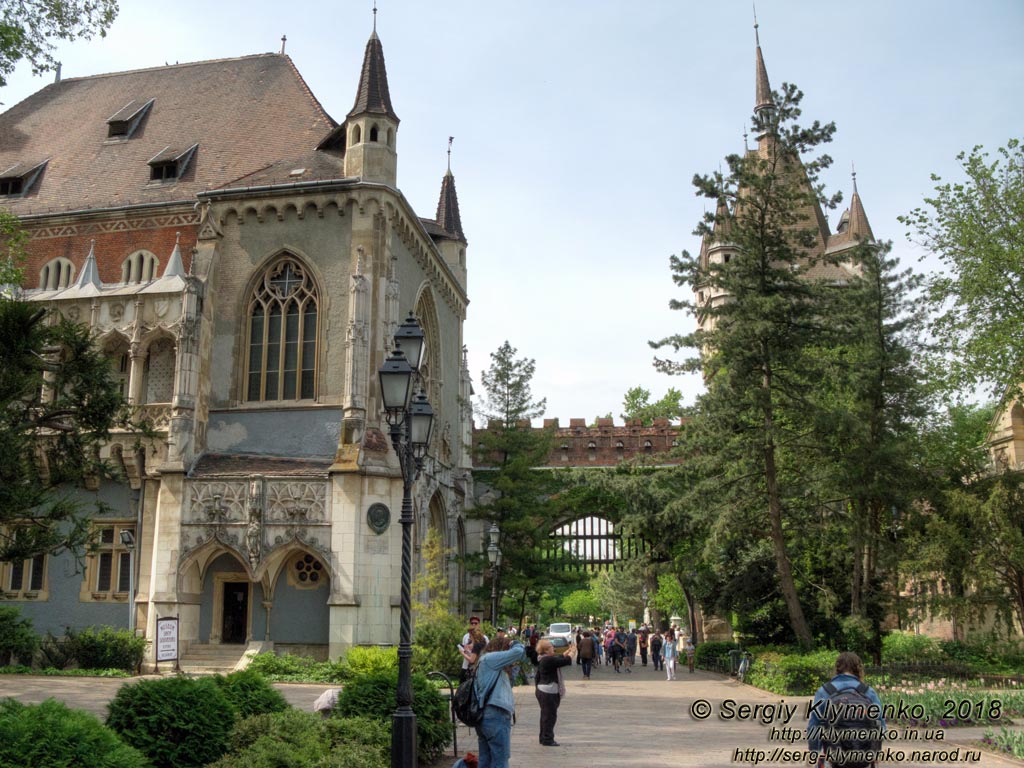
(167, 639)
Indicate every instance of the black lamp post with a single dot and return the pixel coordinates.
(411, 420)
(494, 556)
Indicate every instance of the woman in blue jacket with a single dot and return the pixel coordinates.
(494, 733)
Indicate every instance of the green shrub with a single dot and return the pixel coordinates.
(287, 667)
(988, 655)
(250, 693)
(55, 653)
(435, 646)
(793, 674)
(17, 639)
(50, 734)
(107, 648)
(714, 649)
(906, 647)
(368, 660)
(294, 739)
(286, 739)
(374, 696)
(177, 722)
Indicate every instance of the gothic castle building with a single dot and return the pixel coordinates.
(243, 260)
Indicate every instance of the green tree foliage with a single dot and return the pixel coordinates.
(18, 641)
(752, 346)
(58, 405)
(515, 495)
(637, 404)
(579, 605)
(976, 227)
(432, 581)
(50, 734)
(27, 28)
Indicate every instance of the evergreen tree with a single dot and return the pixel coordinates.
(763, 313)
(58, 405)
(516, 495)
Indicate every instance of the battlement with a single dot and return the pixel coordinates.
(601, 444)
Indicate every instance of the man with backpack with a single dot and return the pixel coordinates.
(846, 724)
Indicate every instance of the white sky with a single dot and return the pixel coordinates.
(579, 124)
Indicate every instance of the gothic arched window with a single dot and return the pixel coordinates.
(282, 334)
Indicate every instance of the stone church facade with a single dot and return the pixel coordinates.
(243, 260)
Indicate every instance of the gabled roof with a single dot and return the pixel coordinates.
(244, 114)
(373, 95)
(853, 227)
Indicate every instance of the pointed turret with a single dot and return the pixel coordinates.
(762, 89)
(88, 282)
(451, 240)
(175, 266)
(853, 228)
(371, 126)
(448, 208)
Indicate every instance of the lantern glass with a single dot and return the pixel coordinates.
(395, 381)
(410, 337)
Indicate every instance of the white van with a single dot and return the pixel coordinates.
(561, 629)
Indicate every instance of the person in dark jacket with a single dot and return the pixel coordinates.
(550, 688)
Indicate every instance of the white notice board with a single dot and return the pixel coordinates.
(167, 639)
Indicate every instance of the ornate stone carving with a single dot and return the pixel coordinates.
(254, 531)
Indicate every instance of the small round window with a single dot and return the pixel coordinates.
(307, 571)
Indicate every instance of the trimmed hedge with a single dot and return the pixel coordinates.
(177, 722)
(106, 648)
(50, 734)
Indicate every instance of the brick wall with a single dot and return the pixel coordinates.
(602, 443)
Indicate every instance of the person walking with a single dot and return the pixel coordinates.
(656, 643)
(642, 642)
(550, 687)
(690, 653)
(586, 650)
(669, 652)
(494, 733)
(630, 650)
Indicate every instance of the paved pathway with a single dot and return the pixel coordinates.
(637, 720)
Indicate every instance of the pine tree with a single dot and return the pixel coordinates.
(759, 313)
(516, 494)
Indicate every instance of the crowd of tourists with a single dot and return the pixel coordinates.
(498, 662)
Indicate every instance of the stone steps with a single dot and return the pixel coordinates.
(205, 659)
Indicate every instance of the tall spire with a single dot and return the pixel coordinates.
(373, 94)
(859, 227)
(763, 94)
(448, 203)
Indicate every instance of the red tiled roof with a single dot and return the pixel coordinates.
(244, 114)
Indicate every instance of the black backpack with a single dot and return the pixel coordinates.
(467, 706)
(848, 728)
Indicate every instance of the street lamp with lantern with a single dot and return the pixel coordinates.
(128, 542)
(494, 556)
(411, 420)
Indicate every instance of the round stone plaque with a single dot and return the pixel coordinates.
(378, 517)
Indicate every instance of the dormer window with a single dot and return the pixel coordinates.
(170, 164)
(18, 179)
(122, 124)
